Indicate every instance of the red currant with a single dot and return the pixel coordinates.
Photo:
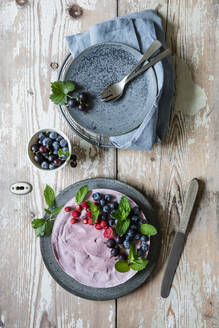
(75, 214)
(85, 221)
(68, 209)
(108, 233)
(89, 214)
(103, 224)
(90, 222)
(78, 208)
(85, 205)
(73, 220)
(98, 226)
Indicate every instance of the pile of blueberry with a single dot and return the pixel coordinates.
(80, 102)
(46, 151)
(107, 206)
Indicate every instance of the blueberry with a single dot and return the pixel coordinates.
(38, 158)
(107, 198)
(144, 247)
(113, 205)
(96, 196)
(44, 165)
(133, 227)
(144, 238)
(35, 148)
(41, 136)
(73, 164)
(51, 166)
(55, 152)
(116, 205)
(51, 158)
(55, 145)
(135, 218)
(140, 252)
(136, 210)
(45, 154)
(72, 102)
(63, 156)
(53, 135)
(106, 209)
(57, 162)
(123, 256)
(104, 216)
(130, 233)
(59, 138)
(111, 222)
(126, 244)
(141, 221)
(111, 243)
(116, 221)
(119, 239)
(63, 143)
(115, 251)
(137, 236)
(73, 157)
(47, 141)
(65, 148)
(128, 238)
(102, 202)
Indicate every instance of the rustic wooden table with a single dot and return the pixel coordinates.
(32, 37)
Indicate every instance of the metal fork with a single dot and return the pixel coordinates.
(115, 90)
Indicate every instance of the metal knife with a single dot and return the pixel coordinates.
(179, 239)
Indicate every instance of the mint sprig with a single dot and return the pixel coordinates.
(43, 226)
(60, 91)
(148, 229)
(134, 262)
(121, 215)
(95, 211)
(63, 152)
(81, 193)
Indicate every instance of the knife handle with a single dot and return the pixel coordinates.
(172, 263)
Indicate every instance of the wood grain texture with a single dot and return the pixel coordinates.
(189, 150)
(31, 38)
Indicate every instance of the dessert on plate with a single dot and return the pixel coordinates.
(99, 238)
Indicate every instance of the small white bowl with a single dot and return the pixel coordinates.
(34, 139)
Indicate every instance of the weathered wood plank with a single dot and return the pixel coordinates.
(31, 38)
(189, 151)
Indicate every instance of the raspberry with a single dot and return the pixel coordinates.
(75, 214)
(85, 221)
(103, 224)
(73, 220)
(85, 205)
(109, 233)
(68, 209)
(98, 226)
(90, 222)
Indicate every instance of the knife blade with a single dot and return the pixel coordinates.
(179, 239)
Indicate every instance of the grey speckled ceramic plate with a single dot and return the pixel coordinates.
(101, 294)
(95, 68)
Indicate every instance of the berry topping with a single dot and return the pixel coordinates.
(111, 243)
(109, 233)
(73, 220)
(75, 214)
(103, 224)
(84, 205)
(68, 209)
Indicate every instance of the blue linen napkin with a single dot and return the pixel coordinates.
(138, 30)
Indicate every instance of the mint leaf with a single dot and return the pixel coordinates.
(139, 265)
(57, 210)
(63, 152)
(48, 228)
(95, 211)
(122, 266)
(116, 215)
(60, 89)
(82, 192)
(36, 223)
(132, 253)
(47, 211)
(122, 226)
(49, 196)
(148, 229)
(124, 207)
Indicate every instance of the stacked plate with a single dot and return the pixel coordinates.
(93, 70)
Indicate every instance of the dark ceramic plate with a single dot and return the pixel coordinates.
(101, 294)
(97, 67)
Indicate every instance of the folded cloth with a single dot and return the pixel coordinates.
(138, 30)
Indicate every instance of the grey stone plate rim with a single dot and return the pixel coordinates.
(86, 134)
(101, 294)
